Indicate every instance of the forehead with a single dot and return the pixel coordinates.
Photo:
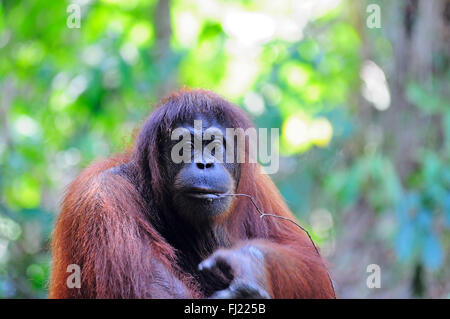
(205, 120)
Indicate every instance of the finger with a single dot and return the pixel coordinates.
(207, 264)
(222, 294)
(247, 290)
(241, 291)
(218, 267)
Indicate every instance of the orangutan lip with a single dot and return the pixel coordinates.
(205, 193)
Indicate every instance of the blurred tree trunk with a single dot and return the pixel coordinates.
(426, 38)
(414, 28)
(163, 55)
(163, 28)
(399, 121)
(7, 93)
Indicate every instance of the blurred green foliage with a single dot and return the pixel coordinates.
(69, 96)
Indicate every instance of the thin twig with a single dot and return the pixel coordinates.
(264, 214)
